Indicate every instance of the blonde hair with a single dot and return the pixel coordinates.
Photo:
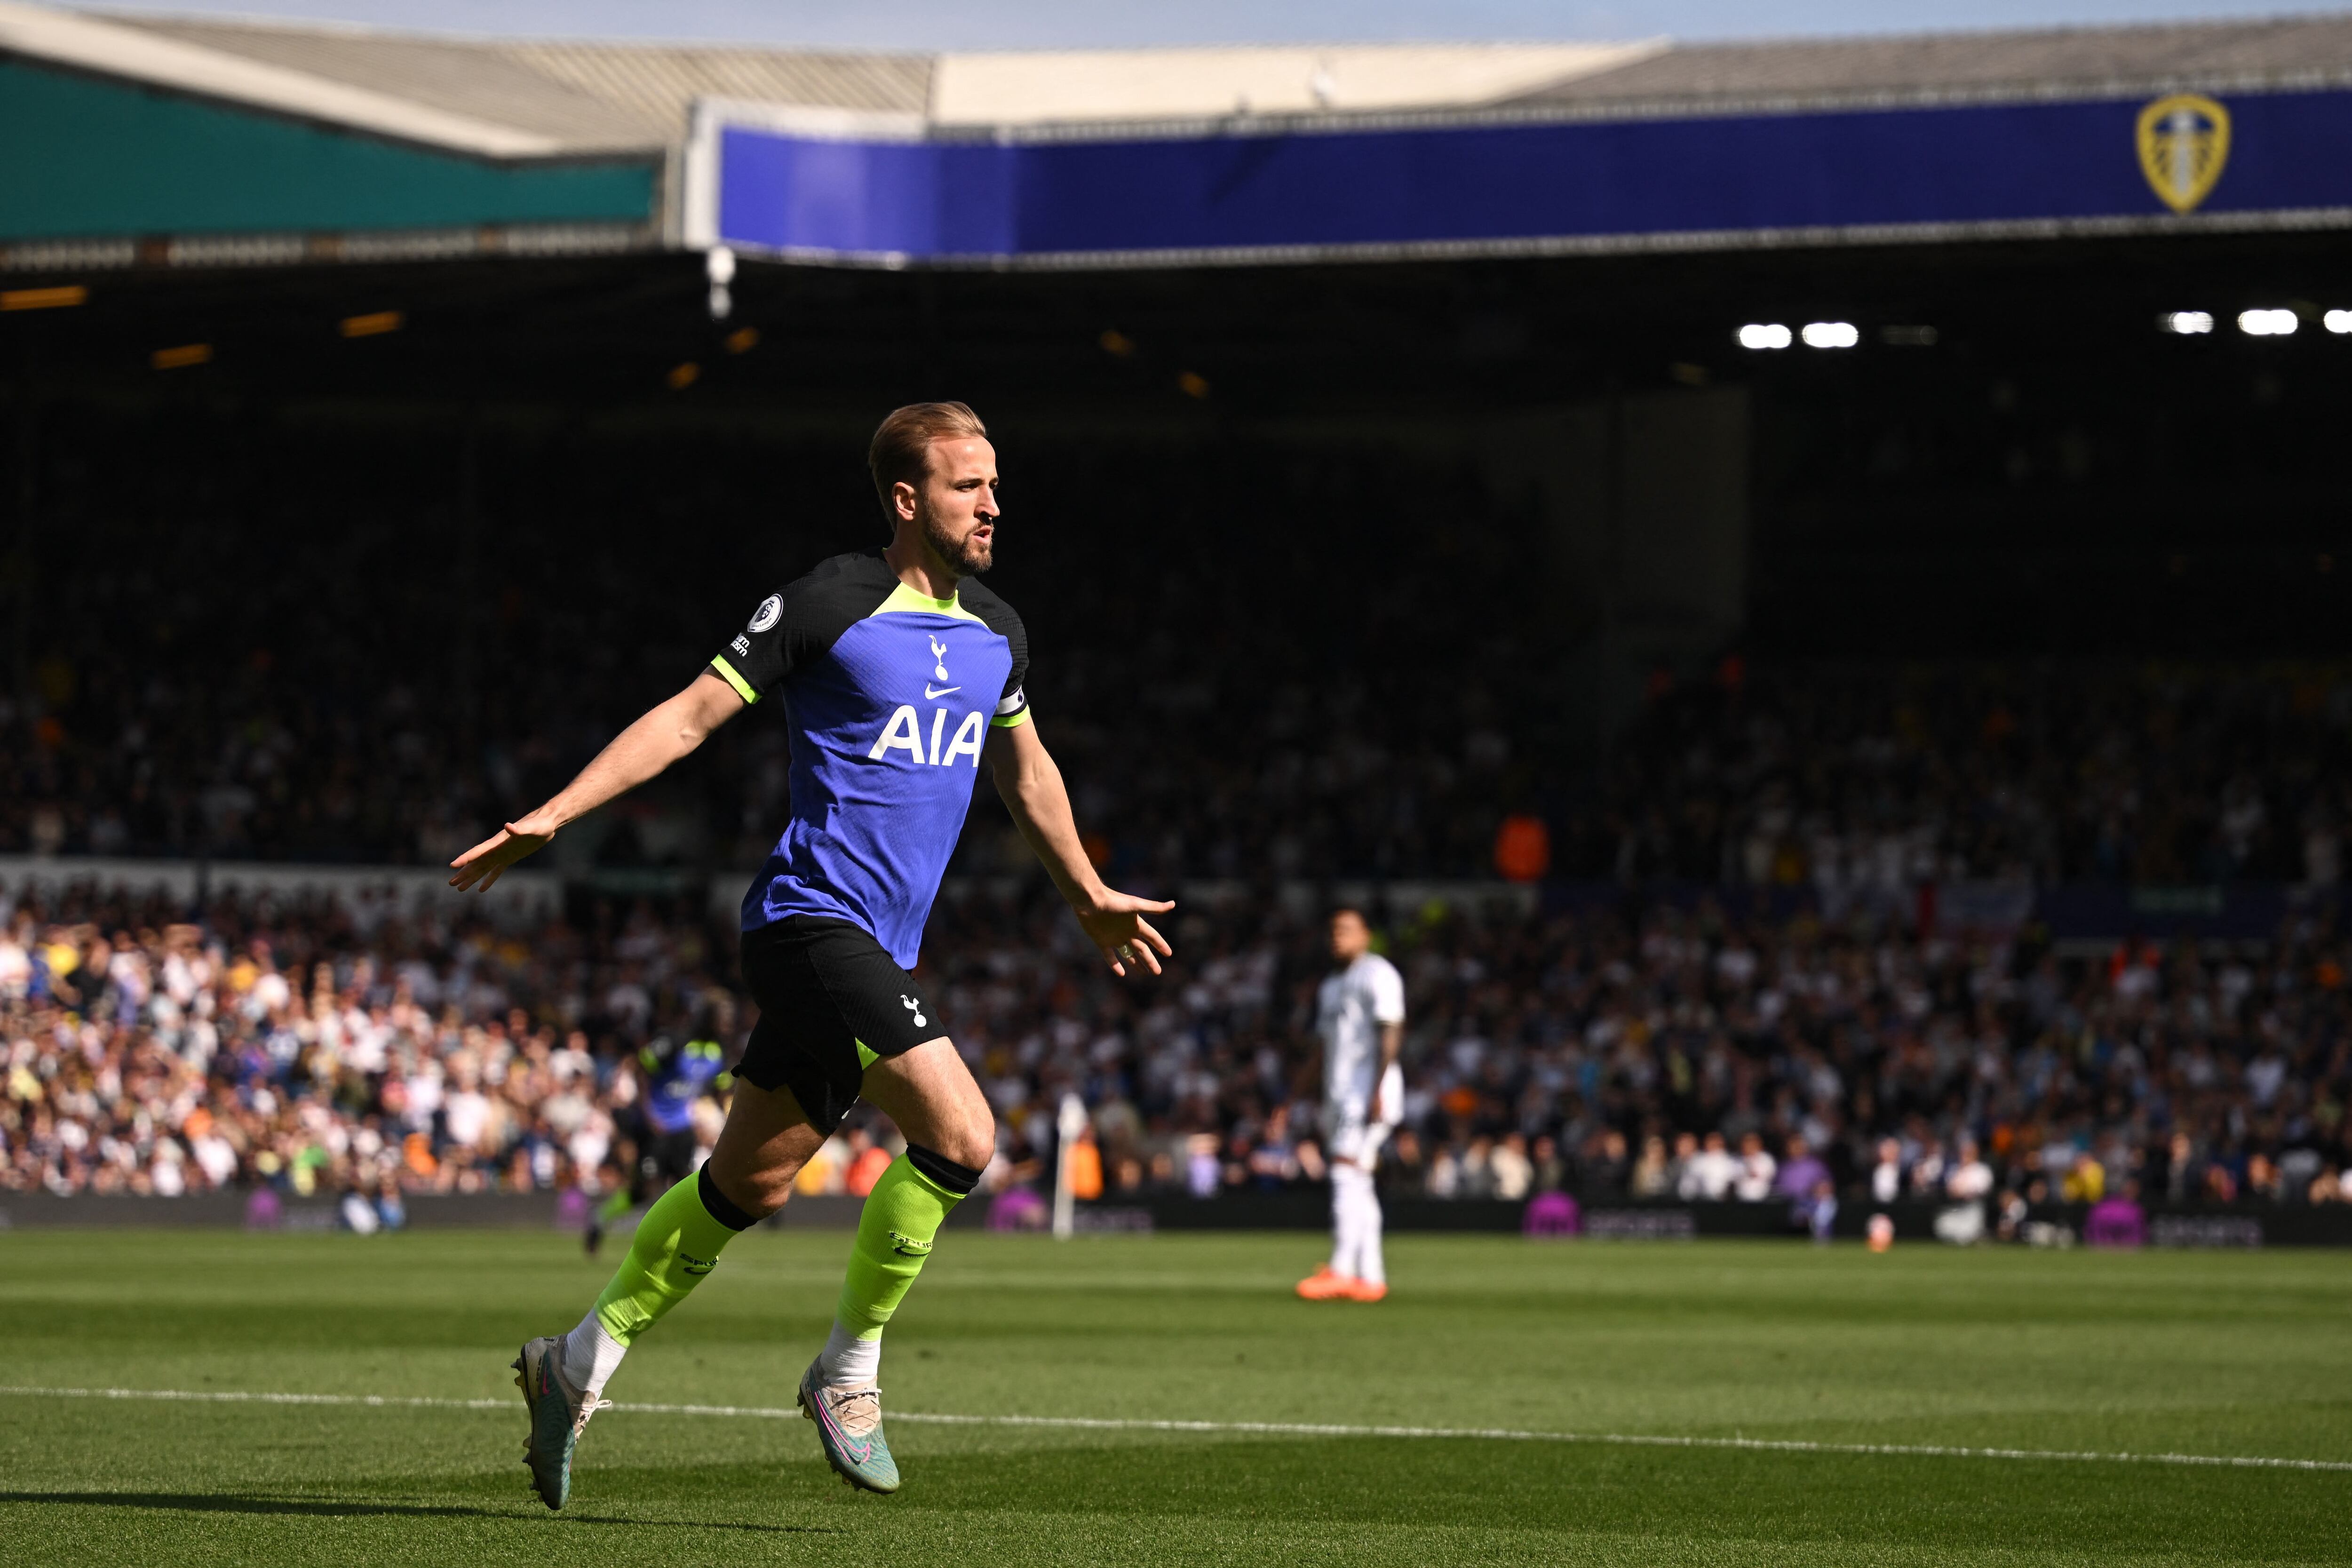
(901, 447)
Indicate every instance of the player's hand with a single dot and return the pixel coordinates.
(479, 869)
(1115, 923)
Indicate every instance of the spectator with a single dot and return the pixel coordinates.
(2087, 1179)
(1969, 1180)
(1509, 1169)
(1683, 1170)
(1802, 1172)
(1653, 1176)
(1707, 1178)
(1753, 1183)
(1605, 1165)
(1886, 1176)
(1820, 1210)
(1551, 1170)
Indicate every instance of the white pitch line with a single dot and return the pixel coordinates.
(1242, 1428)
(224, 1396)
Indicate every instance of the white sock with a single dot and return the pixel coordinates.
(1346, 1220)
(849, 1362)
(1356, 1208)
(1370, 1267)
(1343, 1229)
(591, 1352)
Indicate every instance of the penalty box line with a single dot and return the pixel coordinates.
(1236, 1428)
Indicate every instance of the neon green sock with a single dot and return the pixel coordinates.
(901, 1218)
(675, 1245)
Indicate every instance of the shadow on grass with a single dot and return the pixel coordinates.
(324, 1507)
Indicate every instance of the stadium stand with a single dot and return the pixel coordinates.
(1736, 932)
(259, 717)
(1936, 743)
(318, 1045)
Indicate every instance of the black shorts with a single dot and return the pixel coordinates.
(830, 1002)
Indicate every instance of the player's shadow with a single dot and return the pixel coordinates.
(232, 1502)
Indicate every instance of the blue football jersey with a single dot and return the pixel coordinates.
(676, 1077)
(889, 696)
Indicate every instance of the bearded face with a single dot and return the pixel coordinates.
(970, 551)
(954, 504)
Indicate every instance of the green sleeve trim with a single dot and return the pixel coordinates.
(742, 687)
(1011, 720)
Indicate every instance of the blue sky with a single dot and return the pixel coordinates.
(925, 24)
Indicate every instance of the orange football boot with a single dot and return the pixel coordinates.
(1364, 1291)
(1324, 1286)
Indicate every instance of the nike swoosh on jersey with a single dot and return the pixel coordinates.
(931, 696)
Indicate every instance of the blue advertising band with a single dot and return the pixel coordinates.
(1696, 178)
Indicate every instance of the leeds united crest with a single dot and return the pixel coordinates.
(2184, 140)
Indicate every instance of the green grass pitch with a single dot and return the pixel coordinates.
(2205, 1354)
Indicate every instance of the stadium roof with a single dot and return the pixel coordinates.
(577, 97)
(2210, 56)
(589, 97)
(465, 143)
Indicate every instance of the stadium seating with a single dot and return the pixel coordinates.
(302, 1047)
(1731, 936)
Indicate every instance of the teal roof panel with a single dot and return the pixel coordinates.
(87, 156)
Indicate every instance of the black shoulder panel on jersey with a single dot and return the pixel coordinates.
(800, 621)
(981, 601)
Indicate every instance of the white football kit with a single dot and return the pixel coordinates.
(1361, 1104)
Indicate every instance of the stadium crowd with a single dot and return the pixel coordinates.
(202, 678)
(1832, 775)
(179, 699)
(1679, 1051)
(1809, 777)
(1824, 778)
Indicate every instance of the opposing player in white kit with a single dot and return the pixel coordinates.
(1359, 1012)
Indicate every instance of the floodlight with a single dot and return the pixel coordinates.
(1764, 335)
(1832, 335)
(718, 266)
(2337, 322)
(2267, 323)
(2188, 323)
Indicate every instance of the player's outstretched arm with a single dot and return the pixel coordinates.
(660, 737)
(1033, 793)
